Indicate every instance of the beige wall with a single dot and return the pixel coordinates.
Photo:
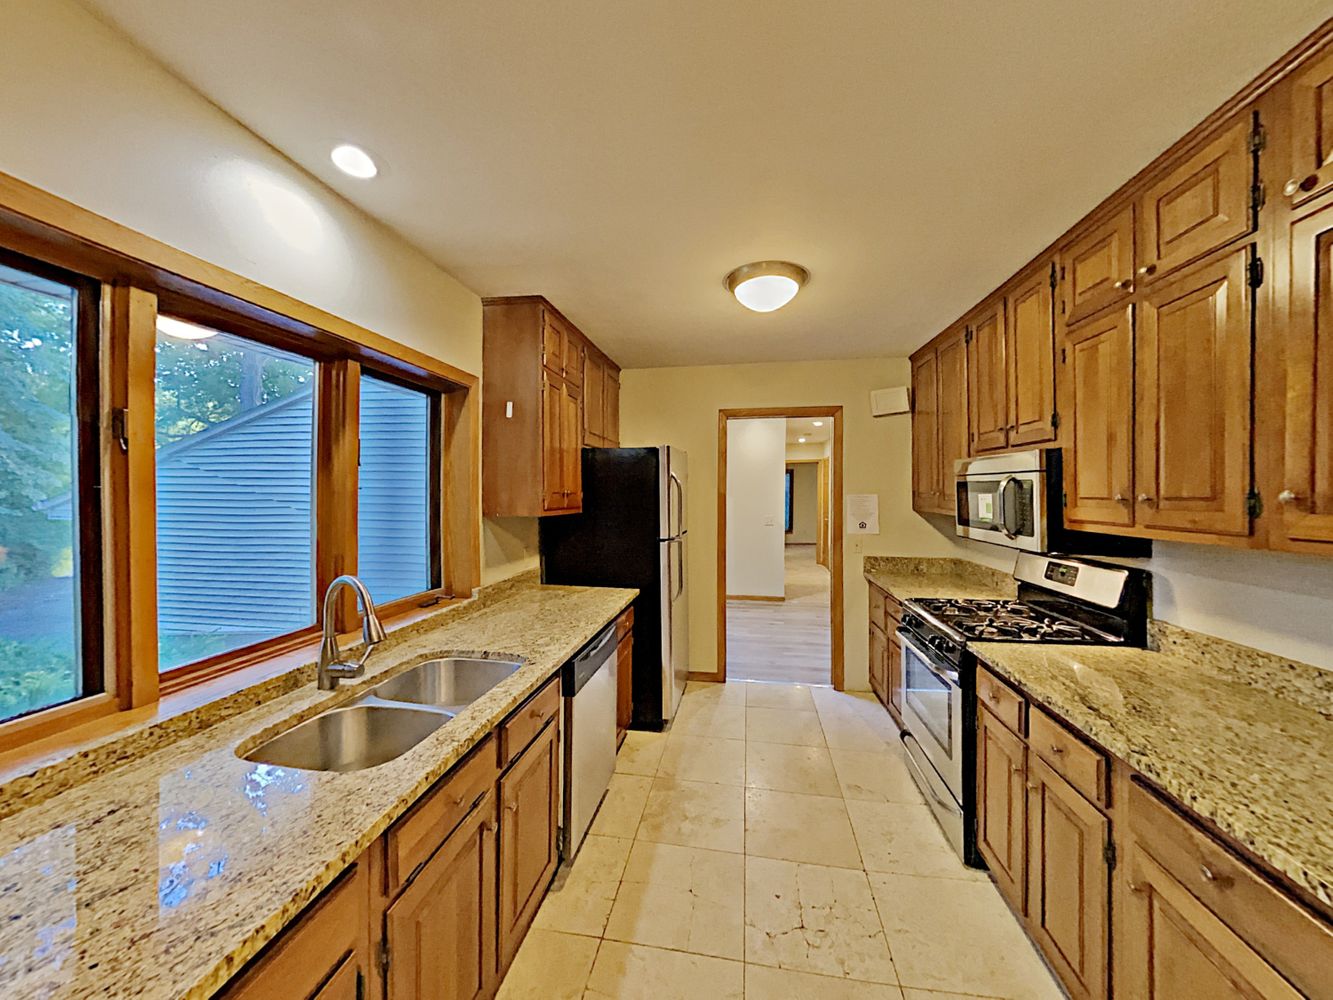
(755, 467)
(91, 118)
(804, 503)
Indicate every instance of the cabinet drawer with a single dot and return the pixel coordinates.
(893, 612)
(1295, 941)
(625, 623)
(1003, 702)
(413, 839)
(877, 617)
(1082, 766)
(522, 727)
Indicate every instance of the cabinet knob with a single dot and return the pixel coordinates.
(1144, 498)
(1120, 498)
(1287, 496)
(1208, 875)
(993, 697)
(1148, 269)
(1138, 887)
(1033, 786)
(1057, 750)
(1125, 284)
(1306, 183)
(511, 807)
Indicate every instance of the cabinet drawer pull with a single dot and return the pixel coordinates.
(1208, 875)
(1148, 269)
(993, 697)
(1125, 284)
(1307, 183)
(1057, 750)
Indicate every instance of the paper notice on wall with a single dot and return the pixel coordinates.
(863, 513)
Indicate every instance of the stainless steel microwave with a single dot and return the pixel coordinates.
(1016, 499)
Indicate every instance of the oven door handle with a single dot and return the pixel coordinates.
(923, 781)
(1001, 493)
(946, 674)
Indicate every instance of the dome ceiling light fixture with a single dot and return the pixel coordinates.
(766, 285)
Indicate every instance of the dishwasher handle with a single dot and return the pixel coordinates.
(579, 670)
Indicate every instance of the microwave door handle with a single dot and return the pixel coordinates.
(1003, 493)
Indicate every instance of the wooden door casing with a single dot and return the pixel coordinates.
(1002, 807)
(1099, 458)
(441, 932)
(925, 435)
(529, 818)
(1098, 267)
(951, 415)
(1311, 127)
(1030, 359)
(1306, 494)
(1069, 883)
(1198, 206)
(988, 403)
(1193, 380)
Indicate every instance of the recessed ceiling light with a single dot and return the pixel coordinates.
(767, 284)
(353, 161)
(800, 440)
(169, 326)
(819, 423)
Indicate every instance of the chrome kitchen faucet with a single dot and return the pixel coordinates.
(332, 667)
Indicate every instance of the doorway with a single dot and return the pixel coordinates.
(780, 553)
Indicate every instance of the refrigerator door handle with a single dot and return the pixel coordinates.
(676, 522)
(680, 568)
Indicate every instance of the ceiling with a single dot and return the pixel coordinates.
(804, 427)
(621, 157)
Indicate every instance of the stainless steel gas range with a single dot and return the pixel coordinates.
(1059, 601)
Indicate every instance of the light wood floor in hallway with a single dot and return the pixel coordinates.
(784, 640)
(771, 845)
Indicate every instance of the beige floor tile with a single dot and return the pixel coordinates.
(618, 815)
(682, 898)
(808, 770)
(763, 983)
(925, 920)
(703, 758)
(850, 731)
(909, 994)
(695, 814)
(903, 837)
(549, 966)
(879, 776)
(722, 719)
(783, 725)
(635, 972)
(581, 895)
(811, 918)
(788, 696)
(640, 753)
(793, 827)
(702, 693)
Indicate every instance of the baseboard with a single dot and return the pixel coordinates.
(754, 597)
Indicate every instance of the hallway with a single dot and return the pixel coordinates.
(785, 641)
(770, 845)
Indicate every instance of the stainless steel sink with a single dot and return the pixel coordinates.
(349, 739)
(453, 682)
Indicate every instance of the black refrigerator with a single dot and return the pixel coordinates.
(631, 533)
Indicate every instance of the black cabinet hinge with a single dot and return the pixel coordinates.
(1055, 420)
(1108, 852)
(1254, 504)
(1258, 136)
(1256, 271)
(1258, 198)
(1053, 280)
(1064, 357)
(360, 985)
(384, 959)
(967, 335)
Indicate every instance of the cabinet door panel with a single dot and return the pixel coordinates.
(879, 653)
(1098, 268)
(529, 799)
(1099, 469)
(952, 416)
(925, 433)
(574, 355)
(1069, 886)
(441, 931)
(594, 411)
(1199, 206)
(611, 405)
(1311, 131)
(988, 405)
(1030, 361)
(553, 343)
(553, 464)
(624, 685)
(571, 447)
(1002, 807)
(1307, 500)
(1193, 376)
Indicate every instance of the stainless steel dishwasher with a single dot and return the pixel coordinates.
(588, 684)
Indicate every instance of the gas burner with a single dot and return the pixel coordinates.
(1005, 621)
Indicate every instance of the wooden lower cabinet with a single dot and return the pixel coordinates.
(440, 934)
(1002, 807)
(1068, 881)
(529, 846)
(624, 687)
(879, 662)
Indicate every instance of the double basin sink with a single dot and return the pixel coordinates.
(388, 720)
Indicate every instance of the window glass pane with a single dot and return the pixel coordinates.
(40, 661)
(235, 473)
(393, 508)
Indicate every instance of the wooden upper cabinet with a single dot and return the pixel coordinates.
(601, 402)
(1030, 359)
(1305, 496)
(1193, 378)
(1311, 122)
(1098, 267)
(1069, 882)
(951, 420)
(611, 407)
(1099, 456)
(988, 402)
(534, 368)
(1201, 204)
(925, 435)
(1002, 807)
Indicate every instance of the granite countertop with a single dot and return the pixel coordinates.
(1255, 763)
(906, 577)
(162, 877)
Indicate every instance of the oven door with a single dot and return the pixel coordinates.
(1005, 508)
(933, 712)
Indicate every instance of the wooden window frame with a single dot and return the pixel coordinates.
(138, 276)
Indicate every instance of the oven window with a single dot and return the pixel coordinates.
(929, 697)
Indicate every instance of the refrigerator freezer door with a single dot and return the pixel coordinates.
(671, 503)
